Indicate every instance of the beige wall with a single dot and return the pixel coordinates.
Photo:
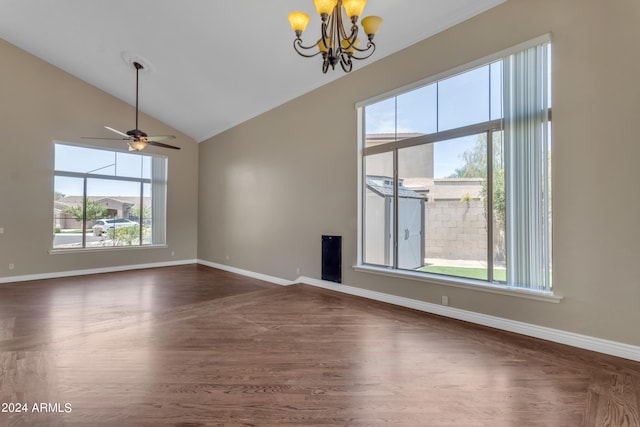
(269, 188)
(40, 103)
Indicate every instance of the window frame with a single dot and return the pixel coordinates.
(90, 175)
(488, 127)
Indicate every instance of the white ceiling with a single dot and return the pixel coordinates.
(213, 64)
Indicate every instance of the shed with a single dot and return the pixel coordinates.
(378, 243)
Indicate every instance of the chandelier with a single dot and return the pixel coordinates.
(336, 44)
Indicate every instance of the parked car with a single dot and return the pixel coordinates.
(104, 225)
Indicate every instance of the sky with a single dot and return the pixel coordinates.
(72, 158)
(474, 96)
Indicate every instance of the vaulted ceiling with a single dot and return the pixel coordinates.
(209, 64)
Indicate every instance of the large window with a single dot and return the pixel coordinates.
(457, 175)
(107, 198)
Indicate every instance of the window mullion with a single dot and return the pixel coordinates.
(396, 188)
(84, 213)
(489, 198)
(141, 213)
(434, 137)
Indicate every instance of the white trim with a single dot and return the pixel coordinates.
(474, 285)
(57, 274)
(259, 276)
(563, 337)
(555, 335)
(586, 342)
(105, 148)
(62, 251)
(361, 178)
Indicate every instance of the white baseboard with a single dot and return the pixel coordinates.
(563, 337)
(58, 274)
(247, 273)
(586, 342)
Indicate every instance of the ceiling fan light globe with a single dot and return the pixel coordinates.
(138, 145)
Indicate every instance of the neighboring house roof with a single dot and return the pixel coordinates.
(383, 185)
(76, 200)
(438, 189)
(381, 138)
(447, 188)
(61, 205)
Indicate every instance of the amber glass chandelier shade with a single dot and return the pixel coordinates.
(325, 6)
(298, 21)
(371, 24)
(352, 48)
(322, 46)
(354, 7)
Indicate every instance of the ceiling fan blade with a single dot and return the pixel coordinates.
(111, 139)
(160, 144)
(136, 138)
(160, 137)
(118, 132)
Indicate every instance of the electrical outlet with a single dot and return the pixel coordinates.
(172, 253)
(11, 266)
(1, 230)
(445, 300)
(298, 271)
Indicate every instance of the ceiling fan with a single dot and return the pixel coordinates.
(137, 139)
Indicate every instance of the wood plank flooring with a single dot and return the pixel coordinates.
(192, 346)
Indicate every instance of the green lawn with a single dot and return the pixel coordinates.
(468, 272)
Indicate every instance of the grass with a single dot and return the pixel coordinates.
(468, 272)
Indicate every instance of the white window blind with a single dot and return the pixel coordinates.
(526, 126)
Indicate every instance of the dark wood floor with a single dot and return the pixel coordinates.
(193, 346)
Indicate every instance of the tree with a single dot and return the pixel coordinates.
(94, 211)
(475, 161)
(58, 195)
(135, 212)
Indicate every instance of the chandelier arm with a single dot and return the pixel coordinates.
(297, 45)
(371, 47)
(351, 38)
(326, 23)
(329, 35)
(346, 63)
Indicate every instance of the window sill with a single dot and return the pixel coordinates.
(104, 249)
(475, 285)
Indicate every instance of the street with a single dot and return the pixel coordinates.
(70, 240)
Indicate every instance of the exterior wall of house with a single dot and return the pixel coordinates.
(595, 67)
(39, 104)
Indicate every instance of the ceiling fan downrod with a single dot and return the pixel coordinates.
(138, 68)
